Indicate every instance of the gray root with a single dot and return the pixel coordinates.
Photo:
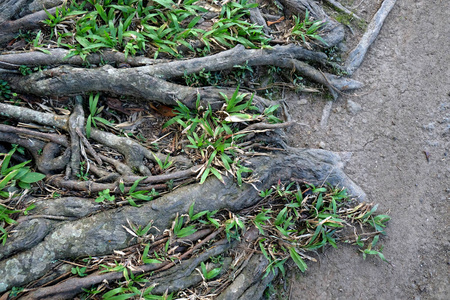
(46, 155)
(76, 121)
(58, 57)
(147, 83)
(15, 9)
(102, 233)
(55, 138)
(133, 152)
(340, 7)
(28, 22)
(356, 57)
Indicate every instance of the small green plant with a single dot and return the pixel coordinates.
(25, 70)
(370, 250)
(241, 71)
(182, 231)
(11, 178)
(93, 116)
(269, 114)
(234, 228)
(83, 174)
(19, 174)
(104, 195)
(208, 275)
(309, 220)
(5, 91)
(203, 78)
(212, 134)
(133, 194)
(37, 43)
(81, 272)
(5, 214)
(160, 26)
(163, 165)
(15, 291)
(307, 30)
(266, 193)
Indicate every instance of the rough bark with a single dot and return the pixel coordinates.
(103, 233)
(147, 83)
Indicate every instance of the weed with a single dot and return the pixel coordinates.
(83, 174)
(28, 35)
(25, 70)
(93, 114)
(37, 43)
(81, 272)
(181, 231)
(15, 291)
(163, 165)
(308, 221)
(135, 26)
(266, 193)
(241, 71)
(104, 195)
(5, 91)
(20, 176)
(307, 30)
(212, 134)
(203, 78)
(208, 275)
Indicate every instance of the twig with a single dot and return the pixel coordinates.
(357, 55)
(88, 146)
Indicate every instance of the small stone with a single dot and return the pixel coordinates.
(321, 145)
(430, 127)
(303, 102)
(353, 108)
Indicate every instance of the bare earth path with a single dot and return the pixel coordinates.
(405, 112)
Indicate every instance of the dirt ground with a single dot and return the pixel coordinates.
(401, 114)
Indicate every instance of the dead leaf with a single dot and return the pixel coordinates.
(163, 110)
(275, 22)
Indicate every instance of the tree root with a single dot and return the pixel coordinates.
(28, 22)
(356, 56)
(147, 82)
(103, 232)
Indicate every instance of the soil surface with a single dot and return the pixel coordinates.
(391, 126)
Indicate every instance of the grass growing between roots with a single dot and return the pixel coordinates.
(293, 221)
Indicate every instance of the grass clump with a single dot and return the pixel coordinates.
(213, 136)
(161, 26)
(307, 30)
(13, 180)
(293, 220)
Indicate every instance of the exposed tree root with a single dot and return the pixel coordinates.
(60, 229)
(147, 82)
(356, 56)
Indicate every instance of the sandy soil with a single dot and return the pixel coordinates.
(402, 112)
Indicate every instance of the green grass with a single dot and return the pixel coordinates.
(13, 180)
(307, 30)
(163, 26)
(212, 137)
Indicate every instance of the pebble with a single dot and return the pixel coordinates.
(303, 102)
(429, 127)
(353, 108)
(322, 145)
